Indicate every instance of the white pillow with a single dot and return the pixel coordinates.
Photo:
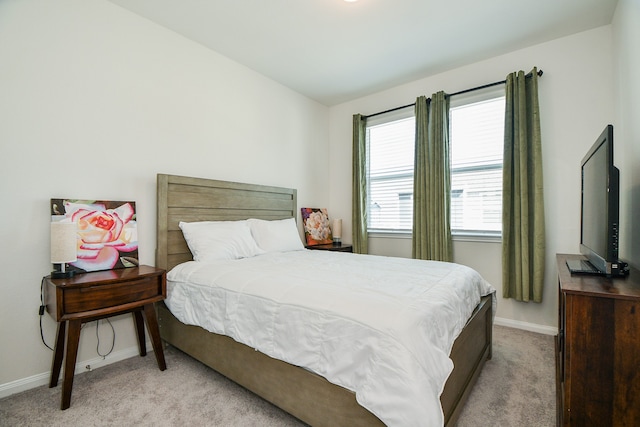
(277, 235)
(216, 240)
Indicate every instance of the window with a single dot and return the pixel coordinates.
(390, 151)
(476, 138)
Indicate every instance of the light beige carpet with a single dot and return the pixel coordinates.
(516, 388)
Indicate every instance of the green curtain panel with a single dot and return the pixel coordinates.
(432, 180)
(360, 236)
(523, 229)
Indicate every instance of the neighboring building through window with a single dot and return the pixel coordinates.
(476, 139)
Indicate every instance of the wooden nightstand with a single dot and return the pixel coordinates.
(332, 247)
(96, 295)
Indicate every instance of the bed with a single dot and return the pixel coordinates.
(301, 392)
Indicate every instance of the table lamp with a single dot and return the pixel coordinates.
(63, 247)
(337, 232)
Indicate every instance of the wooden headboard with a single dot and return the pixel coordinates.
(188, 199)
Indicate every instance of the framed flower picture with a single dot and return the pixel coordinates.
(317, 230)
(107, 232)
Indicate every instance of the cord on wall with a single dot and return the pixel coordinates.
(113, 339)
(41, 313)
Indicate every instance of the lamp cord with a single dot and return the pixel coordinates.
(113, 339)
(41, 313)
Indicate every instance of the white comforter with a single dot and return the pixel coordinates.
(379, 326)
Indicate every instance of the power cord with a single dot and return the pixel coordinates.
(113, 339)
(41, 313)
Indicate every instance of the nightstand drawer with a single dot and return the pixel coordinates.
(110, 295)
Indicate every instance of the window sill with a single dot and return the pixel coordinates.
(456, 237)
(476, 237)
(390, 234)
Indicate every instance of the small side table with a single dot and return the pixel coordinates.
(332, 247)
(97, 295)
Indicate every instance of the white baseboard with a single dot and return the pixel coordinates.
(37, 380)
(531, 327)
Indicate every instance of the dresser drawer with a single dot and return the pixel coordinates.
(101, 296)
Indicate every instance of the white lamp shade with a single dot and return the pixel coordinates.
(337, 228)
(63, 242)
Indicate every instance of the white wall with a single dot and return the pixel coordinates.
(576, 103)
(95, 101)
(626, 24)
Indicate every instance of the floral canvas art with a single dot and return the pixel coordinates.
(107, 232)
(317, 229)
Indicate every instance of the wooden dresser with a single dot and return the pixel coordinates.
(598, 349)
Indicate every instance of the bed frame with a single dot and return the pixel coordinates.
(305, 395)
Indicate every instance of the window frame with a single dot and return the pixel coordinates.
(391, 116)
(473, 97)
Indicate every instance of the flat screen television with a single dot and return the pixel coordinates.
(600, 201)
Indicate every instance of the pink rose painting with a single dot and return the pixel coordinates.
(316, 226)
(107, 232)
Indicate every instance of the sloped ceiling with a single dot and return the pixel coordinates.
(334, 51)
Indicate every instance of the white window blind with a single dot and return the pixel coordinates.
(390, 152)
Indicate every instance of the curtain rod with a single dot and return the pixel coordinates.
(540, 72)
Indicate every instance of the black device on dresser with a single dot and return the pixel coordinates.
(599, 212)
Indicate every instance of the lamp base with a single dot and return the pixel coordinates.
(62, 274)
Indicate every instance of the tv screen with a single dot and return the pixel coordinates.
(600, 204)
